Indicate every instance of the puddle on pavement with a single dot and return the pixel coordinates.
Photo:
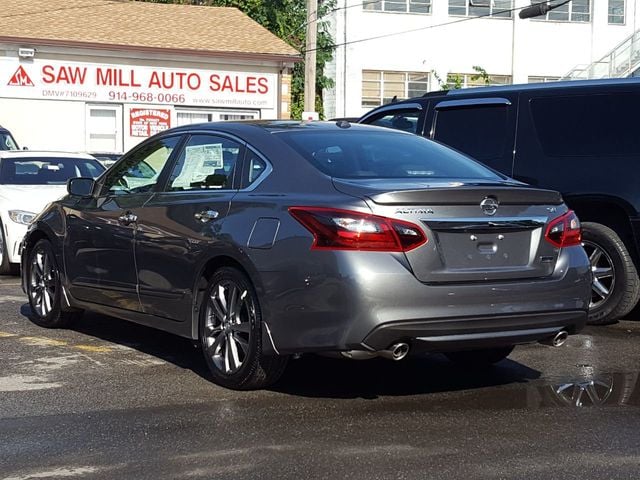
(592, 391)
(584, 393)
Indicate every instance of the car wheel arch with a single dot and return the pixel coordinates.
(608, 211)
(36, 234)
(209, 267)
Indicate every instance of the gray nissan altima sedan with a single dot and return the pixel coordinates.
(264, 239)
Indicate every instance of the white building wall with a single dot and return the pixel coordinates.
(452, 44)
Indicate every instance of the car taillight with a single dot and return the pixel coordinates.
(564, 231)
(335, 229)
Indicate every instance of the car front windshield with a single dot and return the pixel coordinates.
(7, 142)
(46, 170)
(382, 154)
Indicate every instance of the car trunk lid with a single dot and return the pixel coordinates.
(477, 231)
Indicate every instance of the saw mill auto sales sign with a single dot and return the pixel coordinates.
(59, 80)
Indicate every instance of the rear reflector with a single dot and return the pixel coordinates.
(335, 229)
(564, 231)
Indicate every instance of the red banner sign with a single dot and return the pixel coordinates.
(144, 122)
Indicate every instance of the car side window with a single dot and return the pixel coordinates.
(255, 169)
(479, 131)
(206, 162)
(140, 171)
(406, 120)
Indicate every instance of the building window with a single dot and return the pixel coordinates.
(616, 12)
(190, 116)
(464, 80)
(539, 79)
(574, 11)
(379, 88)
(398, 6)
(480, 8)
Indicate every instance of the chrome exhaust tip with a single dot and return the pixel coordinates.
(396, 353)
(557, 340)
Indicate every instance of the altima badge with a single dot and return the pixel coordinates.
(489, 206)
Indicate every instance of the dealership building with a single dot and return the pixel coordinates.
(101, 76)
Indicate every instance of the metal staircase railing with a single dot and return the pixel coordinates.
(621, 62)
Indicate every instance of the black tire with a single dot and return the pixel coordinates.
(6, 268)
(479, 358)
(44, 289)
(231, 334)
(612, 296)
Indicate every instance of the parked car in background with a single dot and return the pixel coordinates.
(30, 180)
(107, 159)
(578, 137)
(7, 142)
(265, 239)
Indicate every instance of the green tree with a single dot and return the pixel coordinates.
(456, 81)
(287, 19)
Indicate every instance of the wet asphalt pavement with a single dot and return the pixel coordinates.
(108, 399)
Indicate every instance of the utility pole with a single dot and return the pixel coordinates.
(310, 58)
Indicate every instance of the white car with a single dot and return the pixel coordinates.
(29, 181)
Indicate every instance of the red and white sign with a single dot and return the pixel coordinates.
(58, 80)
(20, 79)
(144, 122)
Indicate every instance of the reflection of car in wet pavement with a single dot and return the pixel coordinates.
(267, 239)
(598, 390)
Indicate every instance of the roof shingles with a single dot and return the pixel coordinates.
(140, 24)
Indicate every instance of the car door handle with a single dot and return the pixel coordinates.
(205, 215)
(127, 218)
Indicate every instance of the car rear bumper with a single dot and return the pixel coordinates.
(368, 301)
(476, 332)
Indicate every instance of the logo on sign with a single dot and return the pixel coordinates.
(20, 78)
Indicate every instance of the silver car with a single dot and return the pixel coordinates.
(265, 239)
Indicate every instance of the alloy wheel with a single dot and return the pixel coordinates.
(227, 332)
(43, 281)
(603, 274)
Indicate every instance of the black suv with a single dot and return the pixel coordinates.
(578, 137)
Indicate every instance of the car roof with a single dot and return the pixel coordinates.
(276, 126)
(605, 82)
(42, 154)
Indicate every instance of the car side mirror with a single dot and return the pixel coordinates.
(80, 186)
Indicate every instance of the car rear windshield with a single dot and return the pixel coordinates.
(46, 171)
(382, 154)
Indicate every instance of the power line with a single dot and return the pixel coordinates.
(428, 27)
